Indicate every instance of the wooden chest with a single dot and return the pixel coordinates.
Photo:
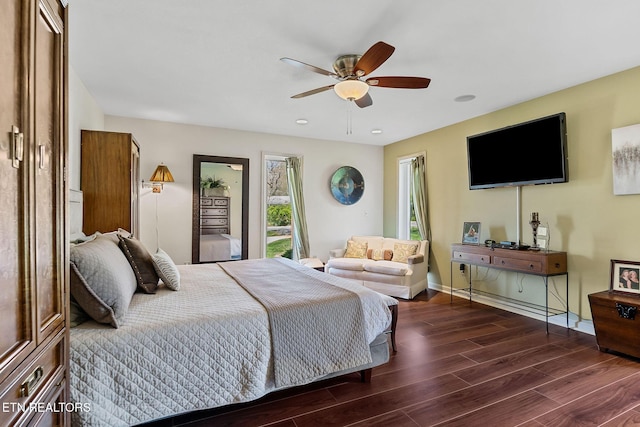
(616, 318)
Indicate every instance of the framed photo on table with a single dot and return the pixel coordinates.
(543, 237)
(625, 276)
(471, 233)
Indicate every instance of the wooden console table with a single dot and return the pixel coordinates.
(538, 263)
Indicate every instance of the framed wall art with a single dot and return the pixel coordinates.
(626, 160)
(471, 233)
(625, 276)
(347, 185)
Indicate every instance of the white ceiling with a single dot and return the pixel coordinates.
(216, 63)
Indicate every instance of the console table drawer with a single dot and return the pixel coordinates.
(471, 258)
(528, 265)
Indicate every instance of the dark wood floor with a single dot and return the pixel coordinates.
(466, 365)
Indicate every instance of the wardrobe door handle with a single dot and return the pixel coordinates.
(17, 146)
(42, 156)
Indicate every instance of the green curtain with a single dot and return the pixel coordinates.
(419, 193)
(300, 235)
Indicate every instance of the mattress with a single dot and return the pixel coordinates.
(205, 346)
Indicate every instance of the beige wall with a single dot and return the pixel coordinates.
(586, 220)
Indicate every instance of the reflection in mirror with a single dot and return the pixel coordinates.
(220, 208)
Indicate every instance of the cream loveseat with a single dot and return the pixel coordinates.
(390, 266)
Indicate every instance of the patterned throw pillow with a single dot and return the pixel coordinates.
(166, 269)
(141, 263)
(402, 251)
(380, 254)
(356, 249)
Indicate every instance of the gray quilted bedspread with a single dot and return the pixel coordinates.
(206, 345)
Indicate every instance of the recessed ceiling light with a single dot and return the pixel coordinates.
(376, 131)
(302, 121)
(464, 98)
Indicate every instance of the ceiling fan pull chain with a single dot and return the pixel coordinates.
(349, 119)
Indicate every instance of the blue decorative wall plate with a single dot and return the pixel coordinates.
(347, 185)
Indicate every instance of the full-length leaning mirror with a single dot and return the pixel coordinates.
(220, 209)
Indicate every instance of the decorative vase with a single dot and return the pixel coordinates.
(535, 222)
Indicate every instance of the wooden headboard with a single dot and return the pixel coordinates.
(75, 215)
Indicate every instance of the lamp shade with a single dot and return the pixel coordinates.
(161, 174)
(351, 89)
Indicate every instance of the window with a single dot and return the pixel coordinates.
(277, 208)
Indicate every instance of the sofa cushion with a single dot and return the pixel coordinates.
(379, 254)
(387, 267)
(402, 251)
(353, 264)
(356, 249)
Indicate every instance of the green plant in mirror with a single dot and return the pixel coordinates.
(210, 182)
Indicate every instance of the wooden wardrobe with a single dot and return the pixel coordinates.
(33, 247)
(110, 181)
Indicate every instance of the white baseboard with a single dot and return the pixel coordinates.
(574, 321)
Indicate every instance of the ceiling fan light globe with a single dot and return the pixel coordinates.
(351, 90)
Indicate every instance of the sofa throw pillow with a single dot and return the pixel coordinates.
(379, 254)
(141, 264)
(356, 249)
(402, 251)
(102, 282)
(166, 269)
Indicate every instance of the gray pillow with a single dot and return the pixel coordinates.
(103, 283)
(166, 269)
(77, 315)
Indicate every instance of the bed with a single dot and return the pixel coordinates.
(219, 247)
(211, 335)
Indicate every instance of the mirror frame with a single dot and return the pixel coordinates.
(198, 159)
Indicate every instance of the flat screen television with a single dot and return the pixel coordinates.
(529, 153)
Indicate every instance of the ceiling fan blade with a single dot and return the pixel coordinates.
(312, 92)
(313, 68)
(365, 101)
(373, 58)
(400, 82)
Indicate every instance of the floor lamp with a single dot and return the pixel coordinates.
(159, 177)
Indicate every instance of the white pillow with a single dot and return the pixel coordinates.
(166, 269)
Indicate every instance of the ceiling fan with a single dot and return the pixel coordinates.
(349, 70)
